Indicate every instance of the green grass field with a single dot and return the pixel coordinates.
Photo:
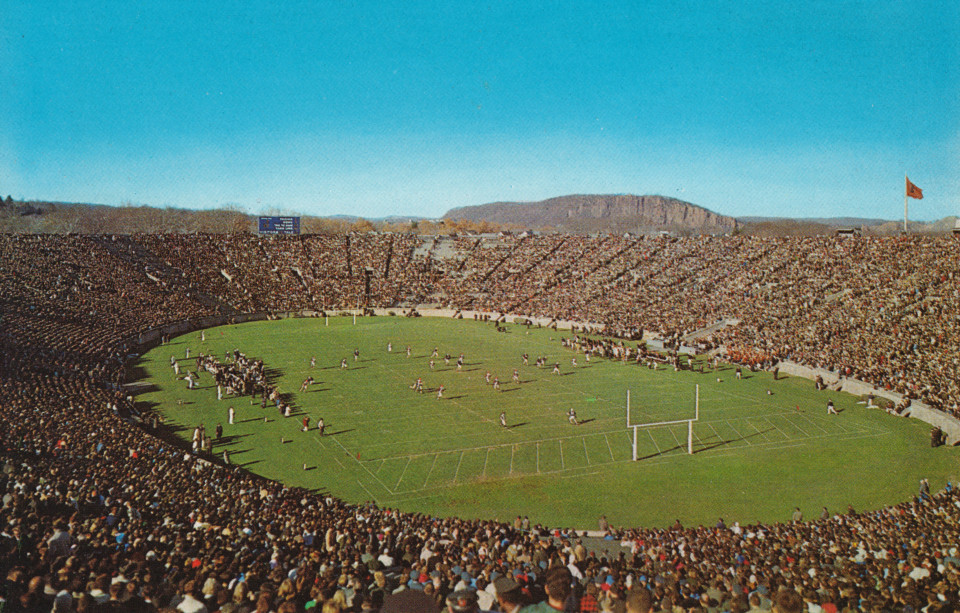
(756, 456)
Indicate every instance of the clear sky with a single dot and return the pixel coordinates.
(379, 108)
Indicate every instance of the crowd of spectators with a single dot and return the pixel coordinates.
(98, 513)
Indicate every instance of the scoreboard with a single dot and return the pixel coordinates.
(279, 225)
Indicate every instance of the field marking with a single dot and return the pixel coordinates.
(578, 476)
(372, 496)
(679, 444)
(402, 473)
(459, 462)
(470, 433)
(609, 448)
(337, 460)
(562, 466)
(805, 434)
(513, 450)
(756, 429)
(486, 457)
(735, 431)
(586, 455)
(825, 431)
(841, 429)
(840, 426)
(430, 472)
(375, 477)
(324, 447)
(659, 452)
(767, 419)
(538, 457)
(493, 446)
(661, 458)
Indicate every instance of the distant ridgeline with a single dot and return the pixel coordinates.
(615, 214)
(609, 213)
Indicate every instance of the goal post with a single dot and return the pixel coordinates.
(653, 424)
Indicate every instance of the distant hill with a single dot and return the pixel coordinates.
(839, 222)
(812, 226)
(573, 214)
(591, 213)
(42, 217)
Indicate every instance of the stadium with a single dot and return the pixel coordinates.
(95, 485)
(336, 306)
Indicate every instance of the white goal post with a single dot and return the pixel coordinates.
(653, 424)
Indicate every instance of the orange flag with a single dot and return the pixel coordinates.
(913, 191)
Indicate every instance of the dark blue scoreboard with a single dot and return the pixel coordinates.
(279, 225)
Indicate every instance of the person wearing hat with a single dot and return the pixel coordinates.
(462, 601)
(509, 595)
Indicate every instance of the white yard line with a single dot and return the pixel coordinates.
(654, 442)
(459, 462)
(430, 472)
(402, 473)
(767, 419)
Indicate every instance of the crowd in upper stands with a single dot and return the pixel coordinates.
(99, 514)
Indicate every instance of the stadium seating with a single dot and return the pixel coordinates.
(92, 499)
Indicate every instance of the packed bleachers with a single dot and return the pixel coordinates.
(92, 499)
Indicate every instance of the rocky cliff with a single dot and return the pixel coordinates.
(612, 213)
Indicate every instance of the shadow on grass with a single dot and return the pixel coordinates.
(272, 373)
(339, 432)
(229, 440)
(659, 453)
(723, 443)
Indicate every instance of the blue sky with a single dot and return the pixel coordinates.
(377, 108)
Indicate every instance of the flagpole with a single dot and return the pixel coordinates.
(904, 203)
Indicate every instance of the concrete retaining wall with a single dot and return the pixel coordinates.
(918, 410)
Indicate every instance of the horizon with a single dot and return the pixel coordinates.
(233, 208)
(387, 109)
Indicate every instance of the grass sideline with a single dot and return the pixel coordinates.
(757, 456)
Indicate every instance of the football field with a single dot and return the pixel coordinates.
(761, 447)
